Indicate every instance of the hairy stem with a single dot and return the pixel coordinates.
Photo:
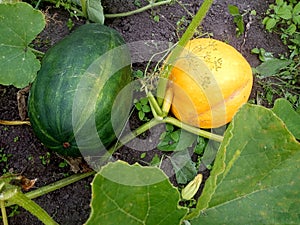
(55, 186)
(25, 202)
(193, 130)
(130, 136)
(188, 34)
(154, 103)
(3, 211)
(149, 6)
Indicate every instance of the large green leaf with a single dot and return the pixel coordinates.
(288, 115)
(132, 194)
(255, 177)
(19, 25)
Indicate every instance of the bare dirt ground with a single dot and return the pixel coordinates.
(70, 205)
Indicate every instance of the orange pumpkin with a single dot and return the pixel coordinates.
(210, 81)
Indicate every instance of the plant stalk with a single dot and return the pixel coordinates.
(188, 34)
(130, 136)
(154, 103)
(193, 130)
(149, 6)
(54, 186)
(25, 202)
(3, 211)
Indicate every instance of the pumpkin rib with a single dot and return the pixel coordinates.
(226, 81)
(53, 95)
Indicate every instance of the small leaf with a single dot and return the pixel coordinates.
(175, 135)
(183, 140)
(233, 10)
(284, 13)
(138, 105)
(155, 160)
(270, 23)
(200, 146)
(255, 51)
(19, 25)
(296, 19)
(296, 9)
(144, 100)
(272, 66)
(146, 108)
(95, 11)
(169, 127)
(132, 194)
(210, 152)
(141, 115)
(184, 167)
(291, 29)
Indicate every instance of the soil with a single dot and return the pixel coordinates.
(70, 205)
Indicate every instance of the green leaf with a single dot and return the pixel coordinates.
(144, 100)
(296, 9)
(291, 118)
(176, 141)
(175, 135)
(270, 23)
(296, 19)
(155, 160)
(135, 195)
(146, 108)
(95, 11)
(19, 25)
(284, 13)
(138, 106)
(255, 175)
(141, 115)
(291, 29)
(233, 10)
(210, 153)
(169, 127)
(200, 146)
(272, 66)
(184, 167)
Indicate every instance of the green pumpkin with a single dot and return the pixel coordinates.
(71, 100)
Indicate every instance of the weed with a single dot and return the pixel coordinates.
(143, 155)
(137, 3)
(45, 159)
(70, 24)
(14, 210)
(280, 77)
(156, 18)
(142, 105)
(63, 164)
(238, 18)
(4, 160)
(283, 17)
(16, 139)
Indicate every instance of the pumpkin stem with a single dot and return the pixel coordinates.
(193, 130)
(188, 34)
